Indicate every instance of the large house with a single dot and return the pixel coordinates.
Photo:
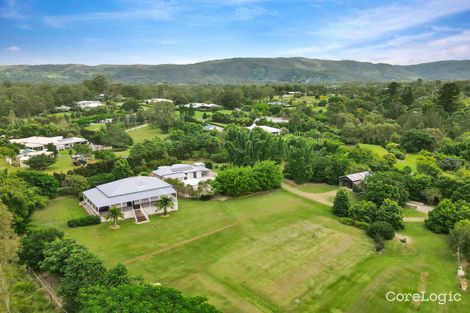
(39, 143)
(271, 130)
(189, 174)
(88, 104)
(136, 196)
(156, 100)
(202, 106)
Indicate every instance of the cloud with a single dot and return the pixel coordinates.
(13, 49)
(154, 10)
(398, 33)
(10, 10)
(248, 13)
(374, 23)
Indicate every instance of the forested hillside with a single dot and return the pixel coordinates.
(241, 70)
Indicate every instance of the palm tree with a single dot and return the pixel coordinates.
(164, 203)
(113, 215)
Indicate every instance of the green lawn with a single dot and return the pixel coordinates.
(317, 187)
(63, 163)
(379, 150)
(410, 159)
(413, 213)
(148, 132)
(95, 127)
(272, 252)
(58, 212)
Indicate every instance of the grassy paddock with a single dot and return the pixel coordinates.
(272, 252)
(146, 133)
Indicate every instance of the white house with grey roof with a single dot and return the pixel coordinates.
(136, 196)
(189, 174)
(271, 130)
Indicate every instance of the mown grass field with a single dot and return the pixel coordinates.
(272, 252)
(410, 159)
(146, 133)
(317, 187)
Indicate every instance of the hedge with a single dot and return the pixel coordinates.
(84, 221)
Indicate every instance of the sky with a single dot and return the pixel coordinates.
(182, 31)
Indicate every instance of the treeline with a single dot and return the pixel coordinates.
(86, 285)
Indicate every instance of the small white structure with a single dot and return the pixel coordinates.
(271, 130)
(202, 106)
(39, 143)
(460, 272)
(136, 196)
(274, 119)
(189, 174)
(27, 154)
(88, 104)
(63, 108)
(278, 103)
(156, 100)
(213, 127)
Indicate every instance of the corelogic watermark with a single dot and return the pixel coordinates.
(423, 296)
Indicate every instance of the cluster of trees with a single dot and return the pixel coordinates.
(18, 293)
(239, 180)
(84, 279)
(379, 221)
(245, 147)
(446, 214)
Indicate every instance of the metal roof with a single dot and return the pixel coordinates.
(167, 171)
(357, 176)
(128, 189)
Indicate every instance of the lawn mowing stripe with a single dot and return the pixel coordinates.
(176, 245)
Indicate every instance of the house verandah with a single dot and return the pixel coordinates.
(137, 197)
(148, 206)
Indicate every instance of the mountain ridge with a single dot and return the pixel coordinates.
(241, 70)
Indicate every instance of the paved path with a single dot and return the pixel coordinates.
(137, 127)
(322, 198)
(414, 219)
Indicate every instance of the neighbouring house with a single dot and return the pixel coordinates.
(278, 103)
(353, 180)
(274, 119)
(39, 143)
(136, 196)
(88, 104)
(63, 108)
(271, 130)
(27, 154)
(202, 106)
(189, 174)
(213, 127)
(156, 100)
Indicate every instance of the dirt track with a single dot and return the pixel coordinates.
(322, 198)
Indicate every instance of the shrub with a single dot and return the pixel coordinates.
(379, 244)
(350, 222)
(84, 221)
(381, 229)
(341, 203)
(346, 221)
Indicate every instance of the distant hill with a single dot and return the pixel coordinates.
(241, 70)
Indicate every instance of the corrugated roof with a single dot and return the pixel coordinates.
(357, 176)
(167, 171)
(128, 189)
(131, 185)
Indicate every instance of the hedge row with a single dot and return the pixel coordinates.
(84, 221)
